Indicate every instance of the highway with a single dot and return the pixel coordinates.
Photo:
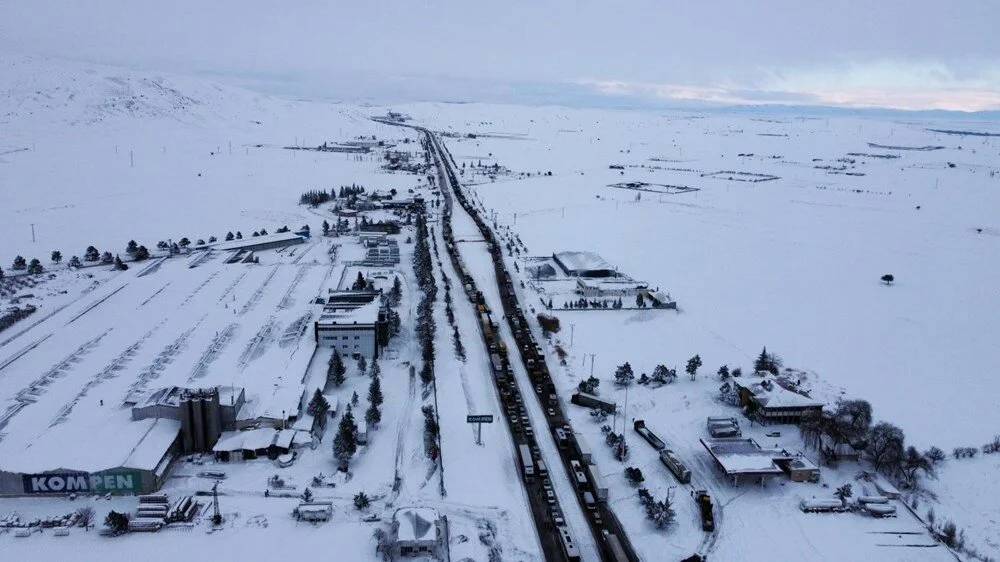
(536, 423)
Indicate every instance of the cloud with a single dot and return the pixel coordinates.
(887, 84)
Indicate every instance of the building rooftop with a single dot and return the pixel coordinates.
(581, 261)
(254, 240)
(364, 314)
(416, 524)
(769, 392)
(743, 456)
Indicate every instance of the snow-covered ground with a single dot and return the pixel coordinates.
(792, 263)
(101, 337)
(766, 230)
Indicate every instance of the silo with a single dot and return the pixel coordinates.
(198, 419)
(213, 417)
(187, 424)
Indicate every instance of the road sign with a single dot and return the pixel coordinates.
(479, 420)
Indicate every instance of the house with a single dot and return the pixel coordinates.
(770, 399)
(419, 531)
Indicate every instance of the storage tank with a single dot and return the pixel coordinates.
(213, 417)
(198, 421)
(187, 423)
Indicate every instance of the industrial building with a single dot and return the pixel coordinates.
(74, 459)
(265, 242)
(203, 413)
(419, 531)
(354, 323)
(769, 400)
(583, 264)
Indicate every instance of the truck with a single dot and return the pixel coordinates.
(674, 465)
(593, 402)
(600, 488)
(704, 502)
(527, 462)
(648, 435)
(578, 475)
(586, 453)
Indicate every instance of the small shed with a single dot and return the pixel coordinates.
(314, 512)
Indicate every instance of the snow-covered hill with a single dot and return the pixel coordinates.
(99, 155)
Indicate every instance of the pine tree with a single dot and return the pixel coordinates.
(326, 227)
(19, 263)
(624, 375)
(229, 236)
(319, 405)
(107, 258)
(361, 501)
(141, 254)
(119, 264)
(375, 391)
(239, 235)
(692, 366)
(131, 248)
(354, 398)
(1, 273)
(336, 370)
(91, 254)
(362, 364)
(345, 444)
(74, 262)
(35, 267)
(373, 415)
(56, 256)
(724, 372)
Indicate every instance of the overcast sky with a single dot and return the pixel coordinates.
(914, 54)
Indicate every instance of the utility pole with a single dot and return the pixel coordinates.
(131, 159)
(572, 332)
(32, 233)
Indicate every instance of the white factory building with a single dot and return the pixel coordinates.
(353, 323)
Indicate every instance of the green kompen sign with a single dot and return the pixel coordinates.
(114, 482)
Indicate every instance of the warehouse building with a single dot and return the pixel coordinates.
(134, 458)
(265, 242)
(583, 264)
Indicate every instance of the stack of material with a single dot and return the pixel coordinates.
(151, 514)
(183, 509)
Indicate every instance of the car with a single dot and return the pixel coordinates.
(551, 412)
(558, 520)
(550, 497)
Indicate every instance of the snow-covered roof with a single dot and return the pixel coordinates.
(364, 314)
(770, 393)
(416, 524)
(91, 445)
(236, 244)
(743, 456)
(582, 261)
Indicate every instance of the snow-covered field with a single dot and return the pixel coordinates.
(767, 230)
(792, 263)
